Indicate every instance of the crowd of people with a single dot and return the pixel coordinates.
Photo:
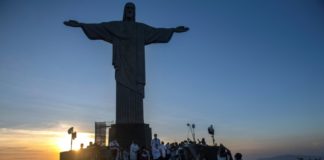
(172, 151)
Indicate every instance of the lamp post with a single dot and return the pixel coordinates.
(192, 130)
(211, 131)
(73, 135)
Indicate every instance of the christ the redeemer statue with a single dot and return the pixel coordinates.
(128, 38)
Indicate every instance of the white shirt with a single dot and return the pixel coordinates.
(168, 151)
(133, 151)
(114, 144)
(155, 144)
(163, 150)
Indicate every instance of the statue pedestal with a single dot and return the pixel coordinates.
(125, 133)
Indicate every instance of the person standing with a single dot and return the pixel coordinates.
(144, 154)
(125, 154)
(168, 151)
(238, 156)
(133, 151)
(114, 148)
(155, 148)
(163, 151)
(224, 153)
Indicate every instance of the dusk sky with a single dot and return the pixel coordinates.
(253, 69)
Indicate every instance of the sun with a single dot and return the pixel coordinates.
(63, 141)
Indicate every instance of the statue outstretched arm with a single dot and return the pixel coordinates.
(72, 23)
(161, 35)
(94, 31)
(180, 29)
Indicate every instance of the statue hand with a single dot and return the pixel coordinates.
(180, 29)
(72, 23)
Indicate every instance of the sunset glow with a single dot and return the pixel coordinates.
(64, 141)
(38, 143)
(252, 69)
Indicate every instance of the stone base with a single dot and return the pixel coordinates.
(125, 133)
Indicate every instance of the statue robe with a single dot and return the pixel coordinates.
(128, 40)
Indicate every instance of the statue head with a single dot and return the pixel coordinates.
(129, 12)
